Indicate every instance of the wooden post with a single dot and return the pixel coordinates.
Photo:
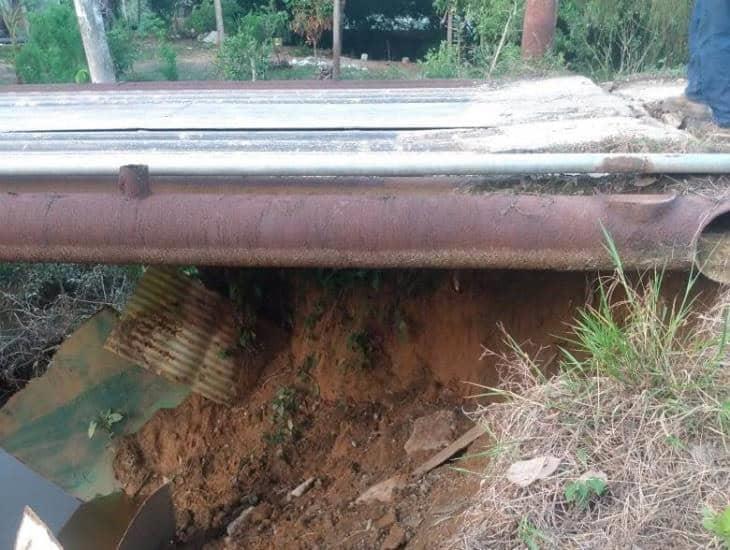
(91, 25)
(220, 32)
(336, 39)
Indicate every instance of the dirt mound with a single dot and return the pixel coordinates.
(337, 373)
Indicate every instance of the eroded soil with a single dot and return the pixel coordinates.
(341, 371)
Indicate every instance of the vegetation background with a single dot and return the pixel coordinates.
(603, 39)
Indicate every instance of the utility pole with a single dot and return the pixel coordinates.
(220, 32)
(336, 38)
(538, 31)
(91, 26)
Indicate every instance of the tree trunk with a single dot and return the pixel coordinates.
(538, 31)
(450, 27)
(91, 25)
(336, 39)
(219, 23)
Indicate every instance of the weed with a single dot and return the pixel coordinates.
(583, 457)
(362, 345)
(530, 535)
(401, 325)
(645, 389)
(305, 372)
(225, 353)
(105, 420)
(283, 406)
(314, 316)
(337, 280)
(582, 492)
(168, 59)
(247, 339)
(718, 523)
(675, 443)
(443, 62)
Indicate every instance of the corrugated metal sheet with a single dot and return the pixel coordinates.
(178, 329)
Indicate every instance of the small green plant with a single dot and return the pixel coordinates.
(247, 338)
(314, 316)
(361, 344)
(283, 406)
(581, 492)
(336, 280)
(718, 523)
(123, 48)
(168, 59)
(246, 54)
(443, 62)
(151, 25)
(530, 535)
(105, 420)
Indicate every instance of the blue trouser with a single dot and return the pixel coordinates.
(709, 62)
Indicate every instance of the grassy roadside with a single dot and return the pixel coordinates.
(637, 421)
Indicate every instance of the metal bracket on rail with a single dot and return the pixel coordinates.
(134, 181)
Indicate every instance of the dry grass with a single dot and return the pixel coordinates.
(647, 404)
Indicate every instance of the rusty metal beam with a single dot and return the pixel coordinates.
(354, 230)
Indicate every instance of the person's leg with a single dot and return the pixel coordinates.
(713, 47)
(694, 86)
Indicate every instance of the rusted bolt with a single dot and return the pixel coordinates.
(134, 181)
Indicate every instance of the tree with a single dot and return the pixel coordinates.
(220, 32)
(310, 19)
(336, 38)
(91, 26)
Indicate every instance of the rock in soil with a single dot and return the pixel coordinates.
(237, 524)
(396, 538)
(432, 432)
(383, 491)
(302, 488)
(386, 520)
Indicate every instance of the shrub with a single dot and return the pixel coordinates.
(168, 59)
(310, 18)
(42, 303)
(442, 62)
(245, 55)
(152, 25)
(638, 418)
(603, 38)
(54, 51)
(202, 18)
(123, 48)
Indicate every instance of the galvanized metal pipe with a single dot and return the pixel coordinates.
(376, 164)
(345, 230)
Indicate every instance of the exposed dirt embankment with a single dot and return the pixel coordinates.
(339, 368)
